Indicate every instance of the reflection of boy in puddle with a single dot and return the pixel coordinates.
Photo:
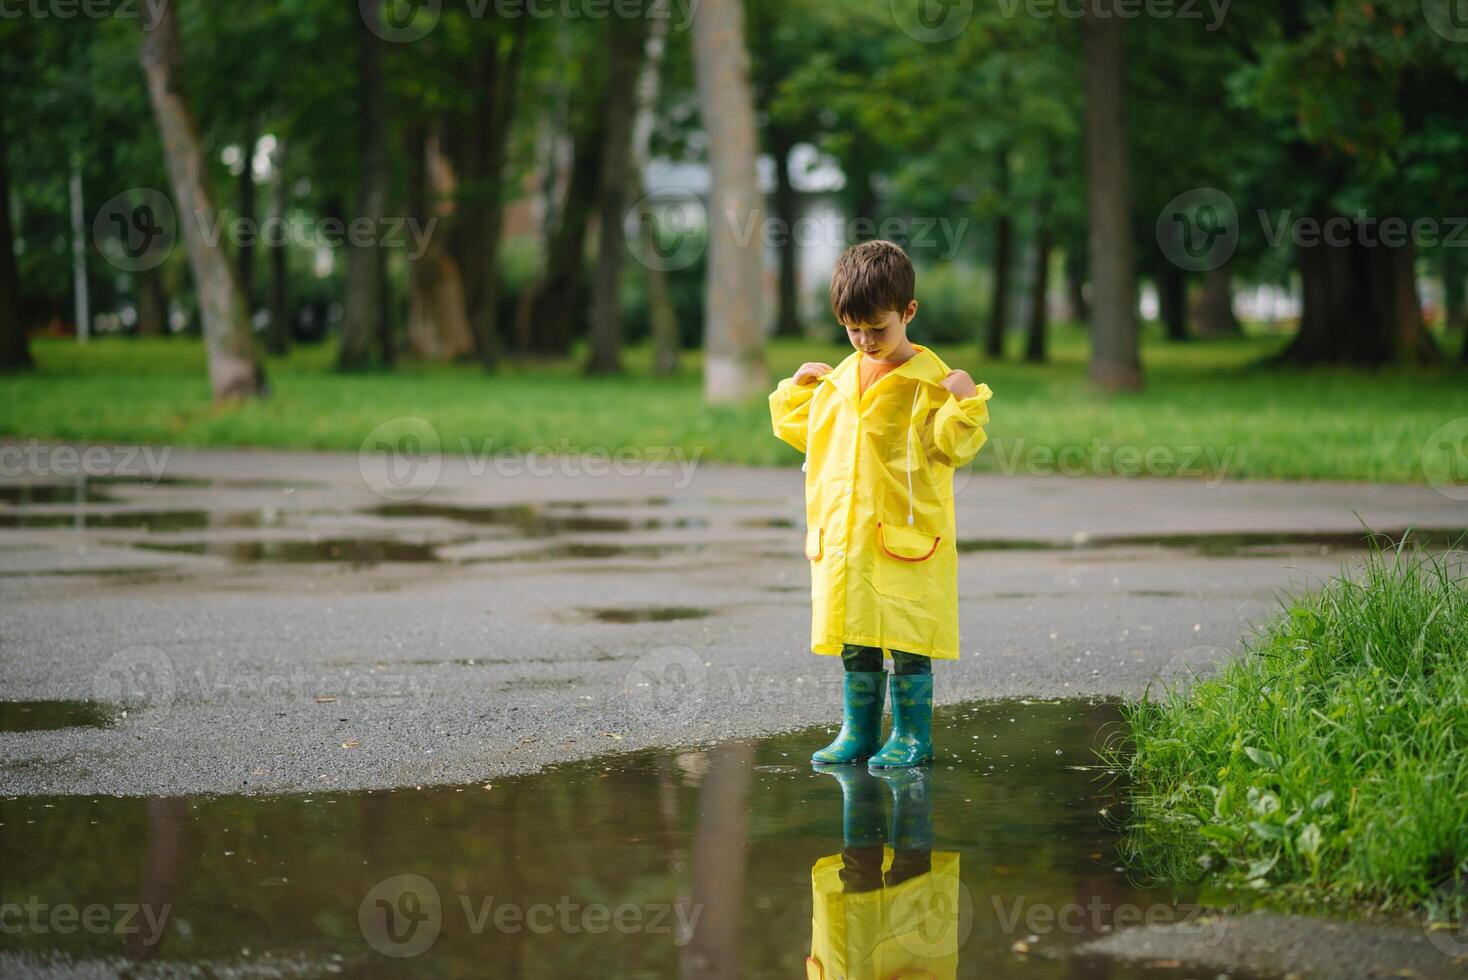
(880, 909)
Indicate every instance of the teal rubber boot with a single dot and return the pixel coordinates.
(861, 720)
(911, 741)
(912, 807)
(861, 806)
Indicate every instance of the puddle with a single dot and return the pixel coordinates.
(659, 863)
(1227, 545)
(767, 522)
(531, 520)
(657, 614)
(351, 551)
(80, 492)
(150, 520)
(45, 716)
(167, 520)
(570, 550)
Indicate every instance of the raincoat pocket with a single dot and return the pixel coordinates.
(901, 554)
(813, 544)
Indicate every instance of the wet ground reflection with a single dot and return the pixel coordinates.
(731, 860)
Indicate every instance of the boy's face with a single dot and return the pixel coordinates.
(884, 338)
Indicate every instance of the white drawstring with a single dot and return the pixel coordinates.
(912, 411)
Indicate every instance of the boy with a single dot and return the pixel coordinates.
(882, 433)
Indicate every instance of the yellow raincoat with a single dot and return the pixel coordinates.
(879, 501)
(908, 930)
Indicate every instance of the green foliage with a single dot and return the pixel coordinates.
(1329, 763)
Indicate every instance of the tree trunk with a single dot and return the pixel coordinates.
(1172, 300)
(1216, 304)
(558, 295)
(734, 328)
(1360, 304)
(15, 347)
(1003, 260)
(245, 257)
(1455, 289)
(81, 282)
(364, 316)
(625, 48)
(1075, 285)
(438, 321)
(659, 300)
(234, 362)
(152, 304)
(1039, 290)
(787, 210)
(479, 157)
(660, 306)
(278, 334)
(1115, 361)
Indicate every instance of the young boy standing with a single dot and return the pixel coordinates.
(882, 432)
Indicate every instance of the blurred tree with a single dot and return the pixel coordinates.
(734, 353)
(557, 299)
(1374, 128)
(365, 321)
(786, 35)
(626, 39)
(234, 364)
(1115, 362)
(478, 143)
(15, 349)
(661, 312)
(438, 317)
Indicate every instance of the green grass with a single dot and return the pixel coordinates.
(1207, 409)
(1328, 765)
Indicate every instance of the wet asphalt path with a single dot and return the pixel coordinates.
(264, 622)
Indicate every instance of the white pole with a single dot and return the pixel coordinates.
(79, 258)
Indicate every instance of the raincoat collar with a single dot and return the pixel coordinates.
(922, 366)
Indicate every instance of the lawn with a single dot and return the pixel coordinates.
(1208, 409)
(1327, 765)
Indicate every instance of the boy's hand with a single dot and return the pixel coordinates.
(810, 371)
(960, 384)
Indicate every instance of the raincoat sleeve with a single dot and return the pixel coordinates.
(790, 411)
(958, 428)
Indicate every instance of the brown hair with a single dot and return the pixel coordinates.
(870, 280)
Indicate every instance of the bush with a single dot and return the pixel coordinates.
(952, 303)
